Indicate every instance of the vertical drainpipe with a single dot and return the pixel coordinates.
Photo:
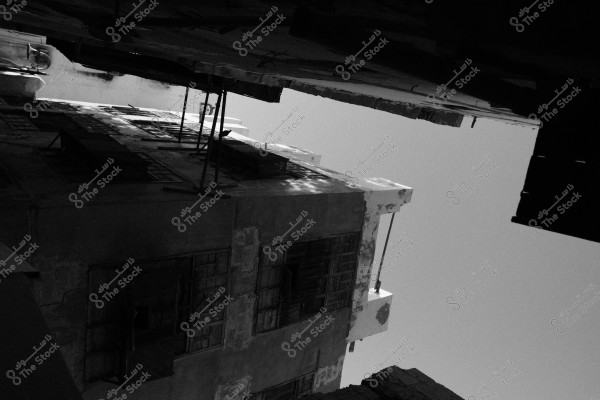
(221, 135)
(202, 119)
(378, 284)
(187, 90)
(211, 138)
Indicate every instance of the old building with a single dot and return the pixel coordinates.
(204, 274)
(164, 276)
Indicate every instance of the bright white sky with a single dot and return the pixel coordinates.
(505, 327)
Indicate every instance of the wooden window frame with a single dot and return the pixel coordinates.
(264, 309)
(181, 312)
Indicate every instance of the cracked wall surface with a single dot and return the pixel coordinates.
(382, 197)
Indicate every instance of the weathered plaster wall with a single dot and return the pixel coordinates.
(71, 239)
(382, 197)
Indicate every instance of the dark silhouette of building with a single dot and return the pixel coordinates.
(392, 383)
(517, 56)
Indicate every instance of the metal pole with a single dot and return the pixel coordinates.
(378, 284)
(202, 120)
(220, 135)
(210, 140)
(187, 89)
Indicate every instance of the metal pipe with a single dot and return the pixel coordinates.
(210, 140)
(187, 90)
(202, 119)
(378, 284)
(221, 135)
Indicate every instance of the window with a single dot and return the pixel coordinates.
(242, 161)
(118, 110)
(55, 105)
(308, 276)
(142, 322)
(294, 389)
(75, 170)
(298, 171)
(159, 171)
(151, 317)
(83, 150)
(17, 121)
(92, 124)
(170, 130)
(210, 275)
(14, 100)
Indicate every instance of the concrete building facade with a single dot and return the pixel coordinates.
(154, 288)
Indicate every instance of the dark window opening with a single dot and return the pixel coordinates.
(14, 100)
(17, 121)
(170, 130)
(310, 275)
(294, 389)
(43, 105)
(59, 105)
(82, 153)
(159, 171)
(241, 161)
(117, 110)
(91, 124)
(300, 172)
(142, 322)
(210, 276)
(75, 170)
